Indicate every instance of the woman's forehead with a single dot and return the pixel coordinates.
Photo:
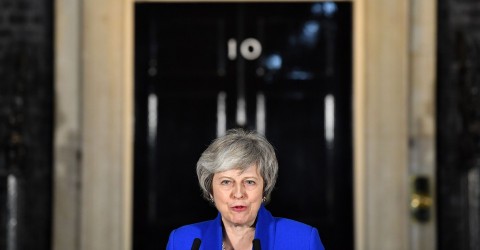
(248, 171)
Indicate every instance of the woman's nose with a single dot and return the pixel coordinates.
(239, 191)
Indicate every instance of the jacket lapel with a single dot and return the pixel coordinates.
(265, 229)
(212, 238)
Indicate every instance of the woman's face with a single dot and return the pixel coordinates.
(238, 195)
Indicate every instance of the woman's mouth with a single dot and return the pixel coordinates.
(239, 208)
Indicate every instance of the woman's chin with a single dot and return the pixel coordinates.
(241, 221)
(240, 224)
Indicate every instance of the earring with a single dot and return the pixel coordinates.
(264, 199)
(211, 199)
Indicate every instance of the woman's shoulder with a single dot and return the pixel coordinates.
(284, 226)
(193, 229)
(284, 223)
(292, 228)
(292, 234)
(183, 237)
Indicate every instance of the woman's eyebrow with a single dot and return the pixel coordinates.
(225, 176)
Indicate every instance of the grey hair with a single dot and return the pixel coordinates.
(238, 149)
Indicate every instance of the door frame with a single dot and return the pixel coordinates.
(393, 109)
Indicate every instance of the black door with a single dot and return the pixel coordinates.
(283, 69)
(458, 125)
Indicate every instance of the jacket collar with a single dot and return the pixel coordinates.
(265, 228)
(212, 239)
(265, 231)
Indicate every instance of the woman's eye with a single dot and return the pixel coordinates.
(250, 182)
(225, 182)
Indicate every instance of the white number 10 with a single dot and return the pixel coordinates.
(250, 49)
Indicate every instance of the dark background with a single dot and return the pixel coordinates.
(26, 123)
(181, 58)
(458, 123)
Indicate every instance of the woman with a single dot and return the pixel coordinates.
(237, 173)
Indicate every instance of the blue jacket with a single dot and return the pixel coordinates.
(273, 233)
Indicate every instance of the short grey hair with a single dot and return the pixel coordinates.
(238, 149)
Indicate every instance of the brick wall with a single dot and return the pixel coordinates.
(26, 118)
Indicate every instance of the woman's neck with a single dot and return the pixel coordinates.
(238, 237)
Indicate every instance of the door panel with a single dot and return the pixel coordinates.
(198, 71)
(458, 126)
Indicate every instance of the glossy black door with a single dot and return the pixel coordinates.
(458, 126)
(283, 69)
